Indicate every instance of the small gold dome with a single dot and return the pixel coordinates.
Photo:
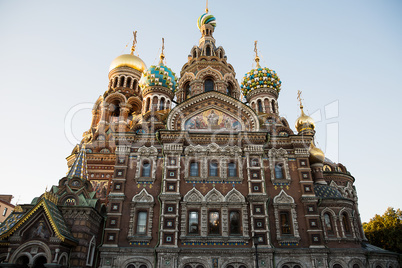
(304, 122)
(316, 155)
(128, 60)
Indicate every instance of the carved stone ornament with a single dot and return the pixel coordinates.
(143, 197)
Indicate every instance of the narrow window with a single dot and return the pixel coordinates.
(345, 223)
(121, 83)
(147, 105)
(194, 54)
(194, 169)
(208, 51)
(162, 104)
(91, 252)
(146, 169)
(273, 106)
(328, 223)
(188, 90)
(229, 90)
(285, 222)
(232, 169)
(193, 222)
(278, 171)
(115, 82)
(4, 211)
(128, 83)
(234, 218)
(135, 85)
(141, 222)
(208, 85)
(213, 169)
(214, 223)
(254, 162)
(259, 102)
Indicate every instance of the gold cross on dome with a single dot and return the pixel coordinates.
(299, 98)
(134, 43)
(257, 59)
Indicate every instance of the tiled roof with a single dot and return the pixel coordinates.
(79, 167)
(327, 192)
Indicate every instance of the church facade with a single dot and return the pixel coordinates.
(187, 173)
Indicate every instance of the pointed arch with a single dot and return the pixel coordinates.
(214, 196)
(193, 196)
(234, 196)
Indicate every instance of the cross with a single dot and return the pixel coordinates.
(204, 188)
(257, 59)
(162, 56)
(292, 167)
(206, 7)
(134, 42)
(299, 98)
(224, 187)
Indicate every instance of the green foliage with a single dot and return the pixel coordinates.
(385, 231)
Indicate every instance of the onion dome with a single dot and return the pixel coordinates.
(304, 122)
(159, 75)
(206, 19)
(259, 78)
(316, 155)
(128, 60)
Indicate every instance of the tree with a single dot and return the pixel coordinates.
(385, 231)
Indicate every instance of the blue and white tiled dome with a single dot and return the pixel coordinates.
(159, 75)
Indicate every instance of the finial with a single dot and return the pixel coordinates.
(300, 99)
(206, 8)
(162, 56)
(257, 59)
(134, 43)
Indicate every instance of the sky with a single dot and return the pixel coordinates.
(345, 56)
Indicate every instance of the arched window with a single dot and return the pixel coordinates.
(328, 223)
(208, 85)
(114, 109)
(285, 222)
(278, 171)
(142, 222)
(115, 82)
(232, 172)
(194, 169)
(154, 103)
(193, 222)
(146, 169)
(214, 223)
(229, 90)
(345, 222)
(187, 89)
(208, 51)
(337, 266)
(273, 106)
(121, 83)
(128, 83)
(213, 169)
(356, 265)
(162, 104)
(147, 105)
(234, 218)
(259, 102)
(135, 85)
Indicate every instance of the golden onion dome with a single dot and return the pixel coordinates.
(304, 122)
(316, 155)
(128, 60)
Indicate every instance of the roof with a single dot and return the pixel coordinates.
(79, 167)
(15, 220)
(327, 192)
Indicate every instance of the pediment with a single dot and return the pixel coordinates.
(212, 112)
(143, 197)
(193, 196)
(283, 198)
(214, 196)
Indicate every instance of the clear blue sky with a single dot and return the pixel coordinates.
(55, 55)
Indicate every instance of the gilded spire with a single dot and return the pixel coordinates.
(300, 99)
(257, 59)
(162, 56)
(134, 43)
(206, 7)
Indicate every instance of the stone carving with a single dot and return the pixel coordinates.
(143, 197)
(214, 196)
(193, 196)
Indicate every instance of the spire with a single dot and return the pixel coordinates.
(257, 59)
(300, 100)
(79, 167)
(162, 56)
(206, 8)
(134, 43)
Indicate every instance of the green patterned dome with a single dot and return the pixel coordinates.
(159, 75)
(206, 19)
(260, 78)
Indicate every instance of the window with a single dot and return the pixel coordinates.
(345, 223)
(121, 81)
(208, 85)
(273, 106)
(234, 218)
(146, 169)
(229, 90)
(162, 104)
(278, 171)
(194, 169)
(193, 222)
(147, 104)
(285, 222)
(214, 223)
(232, 169)
(259, 106)
(356, 265)
(337, 266)
(128, 83)
(4, 211)
(254, 162)
(328, 223)
(187, 89)
(142, 222)
(208, 50)
(213, 169)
